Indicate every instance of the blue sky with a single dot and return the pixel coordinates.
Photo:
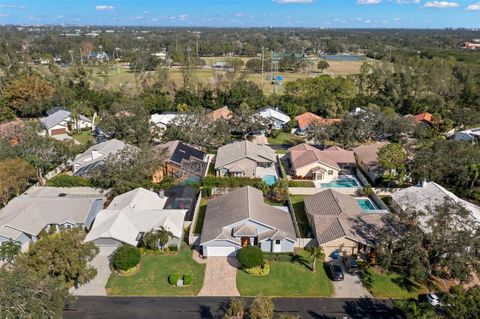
(246, 13)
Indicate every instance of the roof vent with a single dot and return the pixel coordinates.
(62, 195)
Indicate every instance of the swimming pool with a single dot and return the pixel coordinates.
(366, 204)
(342, 182)
(269, 179)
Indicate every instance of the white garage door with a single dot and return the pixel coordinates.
(219, 251)
(106, 250)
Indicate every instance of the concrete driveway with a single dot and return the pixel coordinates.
(96, 287)
(220, 277)
(350, 287)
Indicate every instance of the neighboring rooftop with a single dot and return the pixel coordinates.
(33, 210)
(367, 154)
(337, 215)
(165, 118)
(306, 119)
(427, 196)
(305, 154)
(235, 151)
(222, 113)
(59, 116)
(424, 117)
(269, 112)
(95, 154)
(180, 151)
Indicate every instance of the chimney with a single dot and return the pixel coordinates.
(161, 193)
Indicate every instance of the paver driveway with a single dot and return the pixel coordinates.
(96, 287)
(350, 287)
(220, 277)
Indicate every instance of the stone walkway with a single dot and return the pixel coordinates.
(220, 277)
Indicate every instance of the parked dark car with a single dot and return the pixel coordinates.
(336, 273)
(350, 264)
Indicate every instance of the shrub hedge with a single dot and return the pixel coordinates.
(64, 180)
(278, 256)
(250, 256)
(213, 181)
(174, 278)
(126, 257)
(187, 279)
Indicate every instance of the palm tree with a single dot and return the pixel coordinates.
(317, 253)
(9, 250)
(155, 238)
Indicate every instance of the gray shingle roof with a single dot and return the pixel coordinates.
(337, 215)
(58, 116)
(101, 150)
(40, 206)
(239, 205)
(233, 152)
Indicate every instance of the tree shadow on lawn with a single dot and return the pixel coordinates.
(372, 308)
(302, 261)
(406, 284)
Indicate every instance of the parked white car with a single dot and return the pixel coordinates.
(433, 299)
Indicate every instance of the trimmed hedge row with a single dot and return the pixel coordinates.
(64, 180)
(278, 256)
(213, 181)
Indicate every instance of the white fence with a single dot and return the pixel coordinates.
(314, 190)
(305, 242)
(192, 237)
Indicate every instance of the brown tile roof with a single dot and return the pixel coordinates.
(368, 154)
(304, 154)
(222, 113)
(309, 118)
(337, 215)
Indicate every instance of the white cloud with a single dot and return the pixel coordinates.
(104, 7)
(366, 2)
(293, 1)
(397, 19)
(440, 4)
(407, 1)
(368, 21)
(13, 6)
(183, 17)
(474, 7)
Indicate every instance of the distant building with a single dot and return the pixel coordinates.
(162, 121)
(367, 159)
(61, 121)
(308, 119)
(222, 113)
(85, 163)
(277, 118)
(471, 46)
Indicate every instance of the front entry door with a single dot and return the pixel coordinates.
(245, 241)
(277, 246)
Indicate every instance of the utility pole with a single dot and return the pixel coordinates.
(81, 56)
(71, 55)
(263, 53)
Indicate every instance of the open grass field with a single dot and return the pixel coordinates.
(287, 279)
(152, 279)
(391, 285)
(121, 77)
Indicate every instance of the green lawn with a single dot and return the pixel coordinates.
(297, 183)
(272, 203)
(283, 138)
(287, 279)
(83, 137)
(152, 280)
(391, 285)
(201, 216)
(300, 214)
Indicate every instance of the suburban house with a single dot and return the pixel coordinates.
(471, 135)
(426, 196)
(277, 118)
(162, 121)
(367, 159)
(339, 224)
(245, 159)
(425, 118)
(48, 208)
(241, 218)
(85, 163)
(61, 121)
(309, 162)
(130, 215)
(307, 119)
(183, 162)
(222, 113)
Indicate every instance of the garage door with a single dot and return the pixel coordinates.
(219, 251)
(58, 131)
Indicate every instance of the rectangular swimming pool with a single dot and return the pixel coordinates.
(341, 182)
(269, 179)
(366, 204)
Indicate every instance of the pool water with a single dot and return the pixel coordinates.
(341, 183)
(365, 204)
(269, 179)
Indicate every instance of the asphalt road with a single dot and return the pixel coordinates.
(214, 307)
